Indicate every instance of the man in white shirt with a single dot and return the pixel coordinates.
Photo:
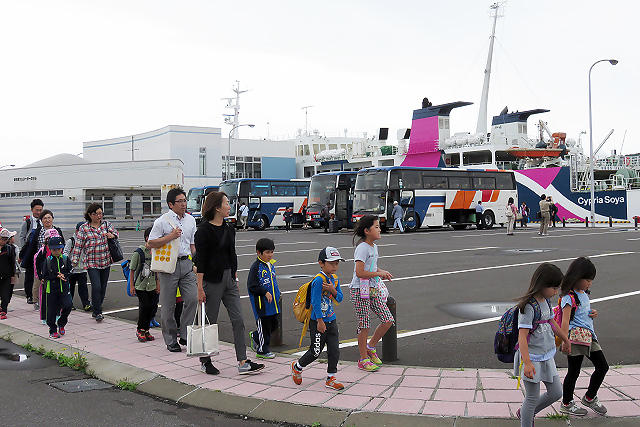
(176, 224)
(30, 224)
(244, 215)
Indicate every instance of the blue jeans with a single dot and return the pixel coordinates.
(99, 278)
(398, 223)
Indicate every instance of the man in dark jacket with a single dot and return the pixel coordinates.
(326, 216)
(30, 223)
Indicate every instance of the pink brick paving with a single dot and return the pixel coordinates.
(394, 389)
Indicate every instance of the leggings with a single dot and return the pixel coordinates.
(575, 363)
(534, 402)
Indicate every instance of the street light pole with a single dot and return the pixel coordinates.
(229, 147)
(591, 159)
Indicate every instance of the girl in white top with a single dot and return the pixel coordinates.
(368, 292)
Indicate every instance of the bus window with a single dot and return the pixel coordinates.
(505, 181)
(459, 183)
(372, 180)
(302, 188)
(282, 189)
(484, 182)
(429, 181)
(259, 188)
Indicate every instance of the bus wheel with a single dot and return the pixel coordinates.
(488, 219)
(413, 224)
(263, 223)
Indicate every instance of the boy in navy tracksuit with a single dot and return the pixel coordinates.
(56, 270)
(323, 326)
(264, 295)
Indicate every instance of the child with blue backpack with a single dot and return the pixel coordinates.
(55, 273)
(577, 321)
(264, 295)
(533, 359)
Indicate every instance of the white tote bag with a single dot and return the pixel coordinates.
(164, 258)
(202, 338)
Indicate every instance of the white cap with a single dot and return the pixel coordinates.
(7, 234)
(330, 254)
(395, 202)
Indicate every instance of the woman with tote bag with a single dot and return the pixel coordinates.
(217, 266)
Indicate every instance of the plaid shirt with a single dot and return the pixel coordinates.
(93, 241)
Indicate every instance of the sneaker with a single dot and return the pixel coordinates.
(208, 368)
(174, 348)
(154, 323)
(36, 306)
(333, 384)
(73, 308)
(295, 374)
(61, 331)
(268, 355)
(29, 300)
(182, 341)
(87, 307)
(141, 336)
(373, 356)
(572, 409)
(250, 367)
(54, 335)
(3, 315)
(99, 317)
(594, 404)
(367, 365)
(148, 336)
(252, 342)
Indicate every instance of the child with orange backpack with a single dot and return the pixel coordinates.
(324, 289)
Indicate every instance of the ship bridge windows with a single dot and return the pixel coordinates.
(522, 128)
(477, 157)
(443, 122)
(333, 146)
(316, 148)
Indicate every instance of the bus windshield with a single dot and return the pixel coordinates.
(372, 180)
(322, 190)
(193, 204)
(231, 190)
(369, 202)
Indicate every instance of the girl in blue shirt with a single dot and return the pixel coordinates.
(579, 325)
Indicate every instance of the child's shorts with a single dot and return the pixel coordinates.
(362, 306)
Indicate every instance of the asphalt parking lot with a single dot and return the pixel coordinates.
(449, 286)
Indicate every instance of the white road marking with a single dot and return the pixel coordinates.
(576, 234)
(120, 310)
(637, 238)
(277, 244)
(502, 233)
(309, 250)
(471, 323)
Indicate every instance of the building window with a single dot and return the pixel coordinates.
(127, 206)
(202, 161)
(242, 167)
(105, 201)
(151, 205)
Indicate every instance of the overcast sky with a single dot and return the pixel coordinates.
(75, 71)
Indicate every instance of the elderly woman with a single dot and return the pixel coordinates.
(91, 238)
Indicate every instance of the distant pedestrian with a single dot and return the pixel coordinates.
(326, 216)
(28, 226)
(244, 216)
(524, 212)
(553, 211)
(145, 285)
(397, 215)
(176, 224)
(577, 321)
(479, 210)
(367, 292)
(78, 275)
(512, 212)
(288, 217)
(217, 275)
(264, 295)
(8, 272)
(92, 238)
(533, 361)
(544, 216)
(305, 224)
(323, 324)
(56, 270)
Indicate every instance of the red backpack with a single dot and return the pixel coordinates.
(557, 312)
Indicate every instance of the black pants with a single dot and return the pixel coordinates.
(287, 225)
(479, 220)
(326, 225)
(6, 290)
(58, 304)
(262, 335)
(178, 312)
(575, 363)
(83, 289)
(147, 305)
(330, 337)
(28, 280)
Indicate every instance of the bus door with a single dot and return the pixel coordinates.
(254, 209)
(342, 211)
(408, 202)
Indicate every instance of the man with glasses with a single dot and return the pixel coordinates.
(176, 224)
(30, 223)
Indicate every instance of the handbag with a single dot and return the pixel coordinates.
(580, 336)
(164, 258)
(115, 250)
(202, 338)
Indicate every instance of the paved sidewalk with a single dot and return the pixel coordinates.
(272, 395)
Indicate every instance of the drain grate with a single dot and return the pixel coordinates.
(296, 276)
(76, 386)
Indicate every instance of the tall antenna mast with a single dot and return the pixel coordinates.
(234, 119)
(481, 128)
(306, 119)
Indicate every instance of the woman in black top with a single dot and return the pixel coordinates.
(217, 266)
(7, 270)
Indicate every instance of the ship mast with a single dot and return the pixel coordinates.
(481, 128)
(233, 119)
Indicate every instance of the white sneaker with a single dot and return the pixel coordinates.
(594, 404)
(573, 409)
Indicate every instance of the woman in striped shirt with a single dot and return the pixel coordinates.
(91, 238)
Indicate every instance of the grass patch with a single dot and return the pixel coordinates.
(460, 369)
(76, 361)
(127, 385)
(316, 424)
(557, 416)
